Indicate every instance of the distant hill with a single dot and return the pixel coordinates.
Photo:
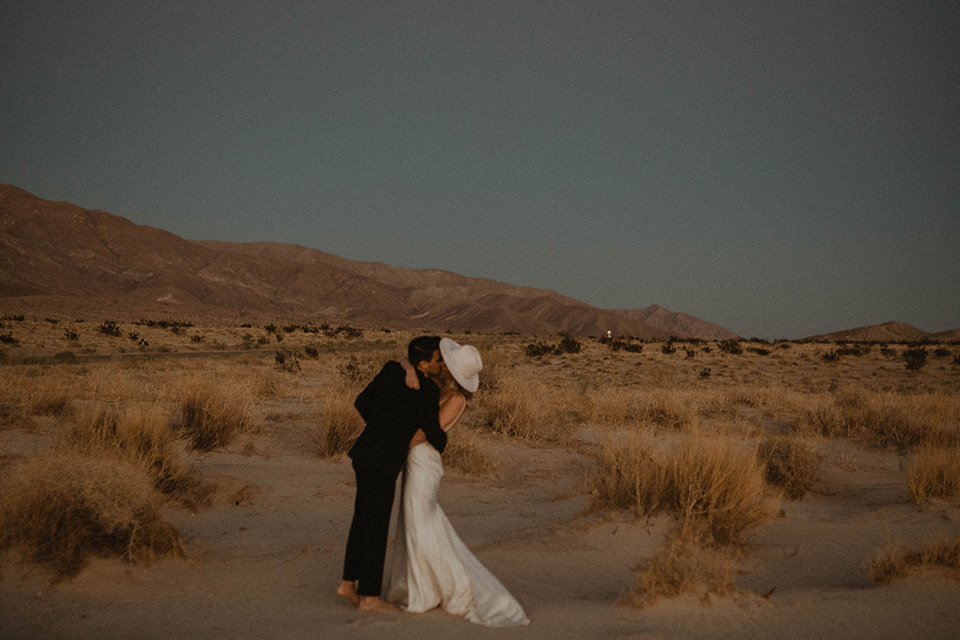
(886, 332)
(677, 324)
(58, 256)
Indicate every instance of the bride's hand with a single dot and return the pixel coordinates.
(418, 438)
(411, 380)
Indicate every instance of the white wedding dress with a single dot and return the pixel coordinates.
(429, 566)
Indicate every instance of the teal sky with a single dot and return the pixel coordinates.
(778, 168)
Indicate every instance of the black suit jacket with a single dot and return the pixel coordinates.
(393, 413)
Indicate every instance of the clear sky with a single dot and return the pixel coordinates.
(781, 168)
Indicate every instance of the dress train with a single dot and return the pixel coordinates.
(429, 566)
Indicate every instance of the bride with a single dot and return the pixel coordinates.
(428, 565)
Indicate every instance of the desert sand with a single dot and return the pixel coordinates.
(264, 554)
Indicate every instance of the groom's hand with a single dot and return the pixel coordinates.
(411, 379)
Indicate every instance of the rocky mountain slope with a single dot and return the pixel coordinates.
(59, 255)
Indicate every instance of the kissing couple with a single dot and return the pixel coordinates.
(408, 408)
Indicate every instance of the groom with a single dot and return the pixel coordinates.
(393, 413)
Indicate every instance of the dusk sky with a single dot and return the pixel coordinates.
(778, 168)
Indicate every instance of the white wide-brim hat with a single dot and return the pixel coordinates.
(464, 363)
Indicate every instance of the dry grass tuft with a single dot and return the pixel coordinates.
(527, 409)
(60, 508)
(890, 419)
(683, 567)
(212, 415)
(466, 452)
(715, 487)
(338, 425)
(893, 562)
(671, 409)
(824, 418)
(910, 421)
(934, 472)
(140, 434)
(790, 465)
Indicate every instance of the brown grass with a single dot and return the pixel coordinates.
(789, 464)
(467, 452)
(338, 424)
(715, 487)
(889, 419)
(673, 409)
(894, 562)
(60, 508)
(211, 414)
(140, 434)
(527, 409)
(683, 567)
(934, 472)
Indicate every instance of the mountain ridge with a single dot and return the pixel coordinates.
(57, 253)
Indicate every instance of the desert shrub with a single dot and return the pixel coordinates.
(853, 350)
(705, 372)
(466, 452)
(311, 352)
(343, 330)
(760, 351)
(894, 562)
(915, 358)
(668, 348)
(619, 344)
(139, 434)
(71, 335)
(287, 361)
(683, 567)
(109, 328)
(356, 371)
(730, 346)
(65, 357)
(934, 472)
(714, 487)
(569, 344)
(61, 508)
(789, 465)
(941, 352)
(338, 425)
(8, 339)
(538, 349)
(211, 415)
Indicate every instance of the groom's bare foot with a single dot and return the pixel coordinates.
(373, 603)
(347, 591)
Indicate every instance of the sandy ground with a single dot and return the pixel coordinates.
(266, 557)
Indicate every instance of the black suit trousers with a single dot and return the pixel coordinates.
(367, 542)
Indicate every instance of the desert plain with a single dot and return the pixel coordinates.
(194, 474)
